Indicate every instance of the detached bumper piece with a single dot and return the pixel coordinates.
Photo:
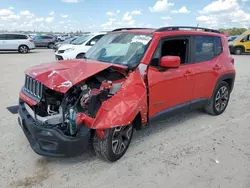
(52, 142)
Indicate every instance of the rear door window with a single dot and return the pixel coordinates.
(204, 48)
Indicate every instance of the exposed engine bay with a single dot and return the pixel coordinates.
(59, 110)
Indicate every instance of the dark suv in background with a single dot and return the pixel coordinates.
(45, 41)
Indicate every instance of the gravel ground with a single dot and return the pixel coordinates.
(192, 150)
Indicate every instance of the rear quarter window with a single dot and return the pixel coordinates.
(207, 48)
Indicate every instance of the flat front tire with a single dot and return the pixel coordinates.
(219, 101)
(114, 144)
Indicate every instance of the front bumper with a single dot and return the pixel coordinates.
(59, 57)
(51, 141)
(231, 48)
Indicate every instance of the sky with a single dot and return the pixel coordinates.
(100, 15)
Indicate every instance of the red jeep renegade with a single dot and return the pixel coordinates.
(130, 77)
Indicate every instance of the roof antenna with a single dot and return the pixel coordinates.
(197, 26)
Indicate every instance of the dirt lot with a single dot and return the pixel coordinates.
(191, 150)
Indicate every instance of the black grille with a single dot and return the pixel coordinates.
(33, 87)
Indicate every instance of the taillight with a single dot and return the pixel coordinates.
(31, 40)
(232, 61)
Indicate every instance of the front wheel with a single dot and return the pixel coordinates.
(238, 51)
(80, 56)
(114, 144)
(219, 101)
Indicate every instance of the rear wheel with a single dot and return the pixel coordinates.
(238, 51)
(80, 56)
(51, 45)
(23, 49)
(114, 144)
(219, 100)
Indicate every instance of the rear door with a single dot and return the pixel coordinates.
(207, 63)
(38, 41)
(246, 42)
(15, 40)
(10, 42)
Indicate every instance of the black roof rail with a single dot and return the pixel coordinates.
(129, 28)
(174, 28)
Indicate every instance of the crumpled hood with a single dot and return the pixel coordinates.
(62, 75)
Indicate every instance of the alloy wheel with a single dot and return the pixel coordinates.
(23, 49)
(121, 138)
(221, 99)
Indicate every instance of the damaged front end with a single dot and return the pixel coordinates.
(62, 122)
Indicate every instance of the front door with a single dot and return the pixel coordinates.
(246, 42)
(173, 87)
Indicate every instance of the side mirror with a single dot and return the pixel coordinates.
(92, 43)
(170, 62)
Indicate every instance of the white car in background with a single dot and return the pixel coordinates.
(16, 42)
(78, 48)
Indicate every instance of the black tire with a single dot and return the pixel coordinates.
(238, 51)
(80, 56)
(23, 49)
(105, 148)
(50, 45)
(219, 101)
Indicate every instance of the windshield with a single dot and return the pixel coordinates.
(120, 48)
(241, 36)
(81, 39)
(69, 40)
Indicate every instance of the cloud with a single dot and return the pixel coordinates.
(113, 13)
(166, 18)
(5, 12)
(127, 17)
(52, 13)
(136, 12)
(182, 10)
(64, 15)
(49, 19)
(219, 6)
(8, 15)
(11, 8)
(161, 6)
(70, 1)
(25, 13)
(224, 13)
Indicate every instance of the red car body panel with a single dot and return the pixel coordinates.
(123, 107)
(61, 76)
(166, 93)
(27, 99)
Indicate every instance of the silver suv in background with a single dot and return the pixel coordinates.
(16, 42)
(45, 41)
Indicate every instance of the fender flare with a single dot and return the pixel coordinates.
(228, 76)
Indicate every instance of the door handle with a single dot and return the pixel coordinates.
(188, 73)
(217, 67)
